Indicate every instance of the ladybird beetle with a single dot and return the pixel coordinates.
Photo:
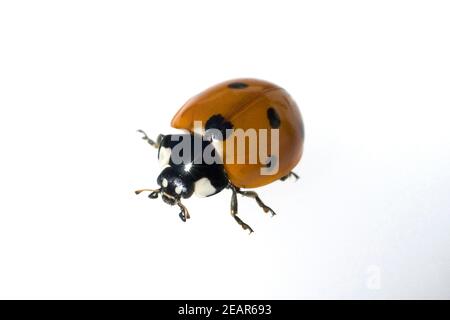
(249, 109)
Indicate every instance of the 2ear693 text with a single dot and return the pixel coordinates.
(247, 309)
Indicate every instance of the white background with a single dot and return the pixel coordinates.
(368, 219)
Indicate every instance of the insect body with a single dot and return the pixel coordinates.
(207, 158)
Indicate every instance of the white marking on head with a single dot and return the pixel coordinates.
(178, 189)
(188, 167)
(164, 156)
(165, 183)
(204, 188)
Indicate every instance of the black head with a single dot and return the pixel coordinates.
(174, 185)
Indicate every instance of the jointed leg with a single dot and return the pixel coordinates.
(184, 213)
(291, 174)
(254, 195)
(154, 193)
(150, 141)
(234, 210)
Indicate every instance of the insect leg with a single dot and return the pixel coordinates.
(254, 195)
(150, 141)
(184, 213)
(291, 174)
(234, 211)
(154, 192)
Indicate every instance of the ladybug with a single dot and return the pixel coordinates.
(213, 121)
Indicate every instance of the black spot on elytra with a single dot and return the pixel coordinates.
(218, 122)
(237, 85)
(274, 118)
